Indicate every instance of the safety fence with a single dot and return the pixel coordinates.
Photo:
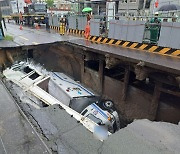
(143, 34)
(75, 24)
(57, 23)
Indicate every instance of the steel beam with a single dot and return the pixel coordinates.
(155, 100)
(126, 82)
(101, 75)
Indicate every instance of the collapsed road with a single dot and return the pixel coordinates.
(140, 86)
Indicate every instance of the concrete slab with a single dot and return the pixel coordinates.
(16, 134)
(7, 44)
(152, 60)
(31, 36)
(126, 142)
(82, 141)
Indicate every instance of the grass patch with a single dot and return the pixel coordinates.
(8, 38)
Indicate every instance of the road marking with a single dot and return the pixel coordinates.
(3, 145)
(24, 38)
(35, 43)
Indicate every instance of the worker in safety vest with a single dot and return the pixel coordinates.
(21, 18)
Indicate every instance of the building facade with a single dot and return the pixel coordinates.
(5, 7)
(133, 7)
(154, 9)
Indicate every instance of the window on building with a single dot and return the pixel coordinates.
(123, 1)
(132, 1)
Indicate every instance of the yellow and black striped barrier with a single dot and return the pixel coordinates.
(140, 46)
(76, 32)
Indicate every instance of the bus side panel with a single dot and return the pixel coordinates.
(58, 93)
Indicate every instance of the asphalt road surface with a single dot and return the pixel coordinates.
(32, 36)
(16, 134)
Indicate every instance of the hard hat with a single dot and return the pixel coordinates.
(156, 13)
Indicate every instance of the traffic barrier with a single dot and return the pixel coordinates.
(21, 28)
(81, 20)
(170, 35)
(76, 32)
(72, 22)
(138, 46)
(129, 34)
(55, 28)
(95, 27)
(126, 30)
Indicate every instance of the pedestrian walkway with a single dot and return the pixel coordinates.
(7, 44)
(16, 134)
(170, 64)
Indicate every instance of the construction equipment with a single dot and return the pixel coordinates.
(32, 13)
(57, 88)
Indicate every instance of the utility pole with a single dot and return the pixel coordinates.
(17, 5)
(1, 27)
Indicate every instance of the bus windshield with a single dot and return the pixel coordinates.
(40, 7)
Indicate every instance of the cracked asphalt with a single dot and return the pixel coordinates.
(64, 135)
(16, 134)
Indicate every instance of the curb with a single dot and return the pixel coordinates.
(134, 45)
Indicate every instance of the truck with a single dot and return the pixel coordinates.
(84, 101)
(31, 13)
(57, 88)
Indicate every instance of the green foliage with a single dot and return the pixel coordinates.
(50, 3)
(8, 38)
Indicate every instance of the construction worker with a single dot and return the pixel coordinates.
(47, 23)
(21, 18)
(155, 29)
(66, 24)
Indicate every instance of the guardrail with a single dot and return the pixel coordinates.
(139, 29)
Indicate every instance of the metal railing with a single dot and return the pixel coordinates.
(151, 30)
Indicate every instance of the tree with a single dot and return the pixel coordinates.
(50, 3)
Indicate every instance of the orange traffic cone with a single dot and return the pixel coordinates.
(21, 28)
(37, 26)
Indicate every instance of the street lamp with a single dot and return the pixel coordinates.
(17, 5)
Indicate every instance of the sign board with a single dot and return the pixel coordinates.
(110, 11)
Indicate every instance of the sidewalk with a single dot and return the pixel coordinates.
(16, 135)
(7, 44)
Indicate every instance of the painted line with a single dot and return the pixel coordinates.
(163, 51)
(23, 38)
(104, 41)
(35, 43)
(133, 45)
(153, 48)
(118, 42)
(176, 53)
(99, 39)
(93, 39)
(3, 145)
(111, 41)
(125, 44)
(143, 46)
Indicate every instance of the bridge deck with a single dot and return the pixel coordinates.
(166, 63)
(16, 134)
